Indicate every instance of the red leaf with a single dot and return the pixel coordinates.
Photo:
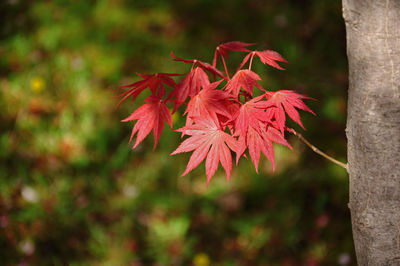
(245, 79)
(189, 86)
(150, 116)
(267, 57)
(270, 57)
(153, 82)
(250, 114)
(233, 108)
(207, 140)
(289, 100)
(208, 103)
(261, 141)
(222, 49)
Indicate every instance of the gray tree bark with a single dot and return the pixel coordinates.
(373, 128)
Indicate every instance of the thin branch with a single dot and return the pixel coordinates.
(315, 149)
(251, 60)
(226, 69)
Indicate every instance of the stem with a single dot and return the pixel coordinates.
(315, 149)
(226, 69)
(251, 60)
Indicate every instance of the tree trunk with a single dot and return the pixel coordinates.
(373, 128)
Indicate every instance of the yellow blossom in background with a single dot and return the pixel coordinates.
(37, 84)
(201, 259)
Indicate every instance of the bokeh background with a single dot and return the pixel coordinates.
(73, 192)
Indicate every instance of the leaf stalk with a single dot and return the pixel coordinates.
(226, 69)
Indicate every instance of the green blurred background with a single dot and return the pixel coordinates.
(73, 192)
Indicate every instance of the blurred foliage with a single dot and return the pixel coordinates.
(72, 192)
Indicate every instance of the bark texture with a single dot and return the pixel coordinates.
(373, 128)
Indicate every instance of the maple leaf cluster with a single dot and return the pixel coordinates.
(223, 115)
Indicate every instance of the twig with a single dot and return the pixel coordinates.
(251, 60)
(315, 149)
(226, 69)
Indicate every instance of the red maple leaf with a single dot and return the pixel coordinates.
(232, 107)
(267, 57)
(189, 86)
(208, 103)
(201, 64)
(258, 141)
(207, 140)
(245, 79)
(150, 116)
(153, 82)
(286, 100)
(250, 114)
(222, 50)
